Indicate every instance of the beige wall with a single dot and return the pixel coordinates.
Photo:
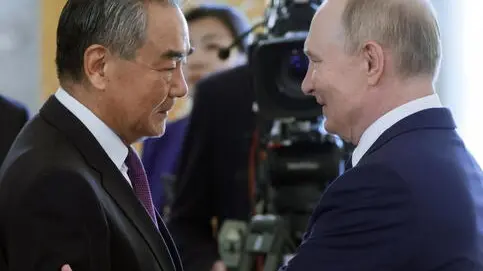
(50, 14)
(252, 8)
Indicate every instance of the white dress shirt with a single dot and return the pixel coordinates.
(110, 141)
(372, 133)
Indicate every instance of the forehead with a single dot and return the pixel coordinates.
(166, 27)
(325, 27)
(208, 24)
(208, 29)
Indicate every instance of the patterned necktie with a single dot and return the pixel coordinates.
(140, 184)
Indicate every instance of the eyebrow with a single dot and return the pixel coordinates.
(311, 56)
(308, 53)
(177, 55)
(209, 37)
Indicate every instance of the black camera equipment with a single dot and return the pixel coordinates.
(297, 158)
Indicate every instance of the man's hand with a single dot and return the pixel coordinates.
(217, 266)
(66, 267)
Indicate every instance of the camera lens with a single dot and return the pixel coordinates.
(298, 65)
(292, 72)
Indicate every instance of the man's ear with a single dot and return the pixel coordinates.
(373, 55)
(95, 57)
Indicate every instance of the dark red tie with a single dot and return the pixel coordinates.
(140, 184)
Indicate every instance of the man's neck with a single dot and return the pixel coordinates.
(84, 96)
(89, 98)
(388, 97)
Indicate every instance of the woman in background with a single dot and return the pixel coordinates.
(212, 28)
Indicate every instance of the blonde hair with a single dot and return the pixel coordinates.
(407, 28)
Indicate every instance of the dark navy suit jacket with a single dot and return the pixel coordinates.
(414, 202)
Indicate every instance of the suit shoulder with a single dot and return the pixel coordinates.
(425, 154)
(11, 106)
(371, 175)
(31, 171)
(40, 147)
(435, 166)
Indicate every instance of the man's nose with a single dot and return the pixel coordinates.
(180, 87)
(307, 85)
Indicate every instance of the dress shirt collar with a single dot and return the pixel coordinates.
(372, 133)
(110, 141)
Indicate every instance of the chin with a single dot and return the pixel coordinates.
(161, 129)
(161, 133)
(156, 130)
(328, 126)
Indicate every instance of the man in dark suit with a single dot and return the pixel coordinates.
(72, 190)
(13, 117)
(414, 197)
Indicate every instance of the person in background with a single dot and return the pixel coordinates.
(213, 177)
(212, 27)
(413, 199)
(13, 116)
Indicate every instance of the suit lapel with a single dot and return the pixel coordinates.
(163, 229)
(434, 118)
(112, 180)
(122, 193)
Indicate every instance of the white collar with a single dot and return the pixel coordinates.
(376, 129)
(110, 141)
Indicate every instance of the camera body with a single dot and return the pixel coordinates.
(295, 158)
(278, 61)
(279, 66)
(301, 158)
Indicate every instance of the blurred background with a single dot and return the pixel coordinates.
(27, 54)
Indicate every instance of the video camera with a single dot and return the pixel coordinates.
(297, 157)
(278, 61)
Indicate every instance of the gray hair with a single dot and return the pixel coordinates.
(119, 25)
(408, 28)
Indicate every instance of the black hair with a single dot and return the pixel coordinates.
(119, 25)
(234, 20)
